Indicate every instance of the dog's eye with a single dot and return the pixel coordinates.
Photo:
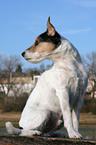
(36, 43)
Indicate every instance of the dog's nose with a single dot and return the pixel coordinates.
(23, 54)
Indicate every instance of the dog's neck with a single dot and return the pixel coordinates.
(64, 54)
(65, 50)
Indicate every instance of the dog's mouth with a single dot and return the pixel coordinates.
(27, 58)
(34, 60)
(33, 57)
(30, 60)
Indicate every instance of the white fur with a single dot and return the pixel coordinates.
(58, 90)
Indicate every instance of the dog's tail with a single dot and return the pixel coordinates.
(11, 129)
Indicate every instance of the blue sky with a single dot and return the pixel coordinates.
(21, 21)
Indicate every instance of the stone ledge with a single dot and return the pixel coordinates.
(37, 140)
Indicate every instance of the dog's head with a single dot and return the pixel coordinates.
(44, 45)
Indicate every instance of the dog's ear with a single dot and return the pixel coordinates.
(50, 28)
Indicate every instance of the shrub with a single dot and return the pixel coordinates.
(89, 105)
(18, 105)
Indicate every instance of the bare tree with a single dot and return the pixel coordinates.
(19, 68)
(90, 64)
(1, 65)
(32, 72)
(11, 63)
(7, 66)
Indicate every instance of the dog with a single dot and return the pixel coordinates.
(59, 93)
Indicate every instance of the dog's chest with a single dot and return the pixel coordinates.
(65, 79)
(61, 78)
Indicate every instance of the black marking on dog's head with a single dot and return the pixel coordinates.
(44, 37)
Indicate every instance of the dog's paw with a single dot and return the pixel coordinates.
(30, 133)
(75, 135)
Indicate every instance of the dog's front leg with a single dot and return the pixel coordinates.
(65, 108)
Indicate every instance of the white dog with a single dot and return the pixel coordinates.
(59, 90)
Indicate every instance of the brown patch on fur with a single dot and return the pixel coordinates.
(42, 47)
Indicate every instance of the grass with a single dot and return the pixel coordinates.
(86, 119)
(9, 116)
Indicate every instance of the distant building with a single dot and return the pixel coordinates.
(24, 83)
(17, 83)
